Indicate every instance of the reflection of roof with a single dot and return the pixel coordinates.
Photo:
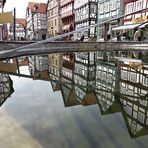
(69, 96)
(89, 99)
(21, 21)
(139, 128)
(41, 7)
(7, 89)
(108, 107)
(55, 86)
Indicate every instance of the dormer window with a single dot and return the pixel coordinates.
(36, 7)
(27, 11)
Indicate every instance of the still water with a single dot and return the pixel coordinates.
(74, 100)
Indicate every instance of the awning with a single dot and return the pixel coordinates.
(142, 26)
(124, 27)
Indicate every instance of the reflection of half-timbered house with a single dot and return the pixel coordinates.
(55, 65)
(106, 77)
(67, 79)
(85, 15)
(6, 87)
(38, 65)
(69, 95)
(67, 68)
(134, 97)
(54, 28)
(84, 77)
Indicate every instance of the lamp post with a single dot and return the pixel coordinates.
(14, 23)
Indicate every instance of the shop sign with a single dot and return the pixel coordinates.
(139, 19)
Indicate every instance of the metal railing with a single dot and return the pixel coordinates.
(58, 37)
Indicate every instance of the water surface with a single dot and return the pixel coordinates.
(74, 100)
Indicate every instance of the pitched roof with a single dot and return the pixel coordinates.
(41, 7)
(21, 21)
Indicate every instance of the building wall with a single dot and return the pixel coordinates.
(85, 15)
(106, 10)
(20, 32)
(3, 28)
(29, 20)
(132, 6)
(53, 17)
(39, 25)
(36, 20)
(67, 15)
(53, 26)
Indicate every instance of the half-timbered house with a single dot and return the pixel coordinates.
(85, 15)
(106, 85)
(67, 15)
(53, 17)
(84, 77)
(36, 21)
(106, 10)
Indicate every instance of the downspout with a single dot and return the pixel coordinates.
(98, 20)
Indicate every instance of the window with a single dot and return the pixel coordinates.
(129, 8)
(93, 9)
(124, 75)
(107, 6)
(113, 5)
(55, 22)
(138, 5)
(145, 81)
(133, 77)
(141, 117)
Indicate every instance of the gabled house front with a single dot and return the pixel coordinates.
(36, 21)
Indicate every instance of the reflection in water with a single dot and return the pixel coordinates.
(106, 84)
(38, 66)
(6, 87)
(134, 82)
(84, 77)
(120, 85)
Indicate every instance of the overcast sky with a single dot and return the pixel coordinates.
(20, 6)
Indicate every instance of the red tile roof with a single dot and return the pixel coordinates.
(21, 21)
(41, 7)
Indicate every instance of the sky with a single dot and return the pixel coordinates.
(20, 6)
